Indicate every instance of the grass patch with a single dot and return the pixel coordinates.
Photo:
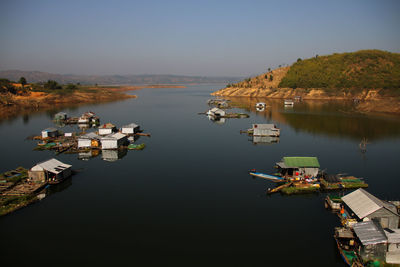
(9, 204)
(299, 190)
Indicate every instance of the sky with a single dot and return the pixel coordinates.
(202, 38)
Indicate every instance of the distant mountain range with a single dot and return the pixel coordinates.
(38, 76)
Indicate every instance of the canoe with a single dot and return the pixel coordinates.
(272, 178)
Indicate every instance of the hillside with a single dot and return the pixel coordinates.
(38, 76)
(366, 69)
(361, 74)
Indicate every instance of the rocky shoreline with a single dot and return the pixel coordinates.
(369, 100)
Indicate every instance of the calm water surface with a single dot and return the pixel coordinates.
(187, 199)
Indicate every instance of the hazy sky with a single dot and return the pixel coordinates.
(213, 38)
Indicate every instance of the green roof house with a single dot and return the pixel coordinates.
(298, 168)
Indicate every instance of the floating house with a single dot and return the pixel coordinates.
(216, 112)
(89, 140)
(373, 240)
(298, 168)
(88, 118)
(113, 141)
(131, 128)
(52, 170)
(265, 130)
(60, 116)
(368, 207)
(107, 129)
(393, 249)
(50, 132)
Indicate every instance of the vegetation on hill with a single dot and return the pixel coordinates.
(365, 69)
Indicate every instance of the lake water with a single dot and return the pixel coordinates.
(187, 199)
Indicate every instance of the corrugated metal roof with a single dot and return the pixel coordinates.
(118, 135)
(393, 235)
(362, 203)
(369, 233)
(113, 136)
(51, 165)
(282, 165)
(90, 135)
(296, 162)
(131, 125)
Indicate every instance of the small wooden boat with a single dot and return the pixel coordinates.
(272, 178)
(136, 147)
(345, 242)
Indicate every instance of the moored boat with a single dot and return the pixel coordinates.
(345, 241)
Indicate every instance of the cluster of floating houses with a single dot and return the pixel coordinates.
(21, 187)
(107, 136)
(370, 234)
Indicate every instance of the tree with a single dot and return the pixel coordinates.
(271, 77)
(7, 87)
(22, 81)
(51, 84)
(299, 59)
(269, 69)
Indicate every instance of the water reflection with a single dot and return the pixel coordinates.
(264, 140)
(113, 155)
(332, 118)
(55, 188)
(83, 127)
(86, 155)
(217, 120)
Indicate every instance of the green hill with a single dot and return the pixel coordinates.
(365, 69)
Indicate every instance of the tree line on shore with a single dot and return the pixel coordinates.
(22, 87)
